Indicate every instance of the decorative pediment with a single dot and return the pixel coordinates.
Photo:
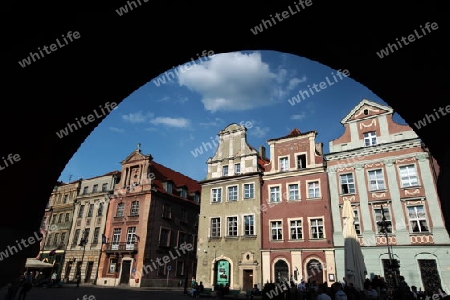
(367, 109)
(136, 156)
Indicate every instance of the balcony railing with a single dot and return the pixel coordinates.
(121, 247)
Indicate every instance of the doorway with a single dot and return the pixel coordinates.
(281, 271)
(247, 280)
(125, 275)
(315, 271)
(89, 267)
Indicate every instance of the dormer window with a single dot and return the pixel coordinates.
(370, 138)
(183, 193)
(169, 187)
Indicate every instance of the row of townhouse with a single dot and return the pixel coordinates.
(135, 227)
(280, 218)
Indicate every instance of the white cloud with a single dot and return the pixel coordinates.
(299, 117)
(259, 132)
(235, 81)
(116, 129)
(216, 122)
(137, 117)
(293, 83)
(150, 129)
(172, 122)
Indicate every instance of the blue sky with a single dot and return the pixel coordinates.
(172, 119)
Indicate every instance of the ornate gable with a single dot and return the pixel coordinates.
(136, 155)
(367, 109)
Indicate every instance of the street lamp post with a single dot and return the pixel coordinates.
(83, 243)
(393, 263)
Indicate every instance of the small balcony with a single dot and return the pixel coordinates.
(121, 247)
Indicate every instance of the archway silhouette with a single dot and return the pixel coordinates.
(115, 55)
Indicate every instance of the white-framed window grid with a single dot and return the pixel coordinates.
(232, 193)
(378, 217)
(293, 190)
(224, 170)
(276, 230)
(408, 175)
(295, 229)
(417, 218)
(284, 163)
(216, 195)
(370, 138)
(274, 193)
(215, 227)
(313, 191)
(232, 226)
(249, 225)
(376, 180)
(237, 168)
(347, 182)
(317, 228)
(249, 190)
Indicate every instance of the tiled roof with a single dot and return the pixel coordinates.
(294, 133)
(163, 174)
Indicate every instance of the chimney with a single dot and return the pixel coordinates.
(262, 152)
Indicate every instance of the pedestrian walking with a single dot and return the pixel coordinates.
(78, 280)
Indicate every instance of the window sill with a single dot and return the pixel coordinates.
(411, 187)
(232, 237)
(378, 191)
(318, 239)
(277, 241)
(421, 233)
(346, 195)
(232, 200)
(216, 202)
(249, 236)
(316, 198)
(251, 198)
(295, 200)
(296, 241)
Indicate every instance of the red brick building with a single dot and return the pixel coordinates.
(151, 226)
(296, 216)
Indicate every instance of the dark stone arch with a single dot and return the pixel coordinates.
(116, 55)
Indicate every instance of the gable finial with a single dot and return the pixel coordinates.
(138, 147)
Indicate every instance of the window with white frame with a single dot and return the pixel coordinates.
(379, 218)
(293, 191)
(370, 138)
(169, 187)
(249, 225)
(347, 184)
(134, 208)
(216, 195)
(116, 239)
(276, 229)
(313, 189)
(408, 175)
(183, 193)
(104, 187)
(376, 180)
(232, 224)
(356, 221)
(131, 236)
(275, 194)
(301, 161)
(232, 193)
(249, 190)
(317, 231)
(120, 208)
(225, 171)
(417, 218)
(237, 168)
(215, 227)
(164, 237)
(95, 188)
(295, 227)
(284, 164)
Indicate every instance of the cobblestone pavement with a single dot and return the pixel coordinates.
(70, 292)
